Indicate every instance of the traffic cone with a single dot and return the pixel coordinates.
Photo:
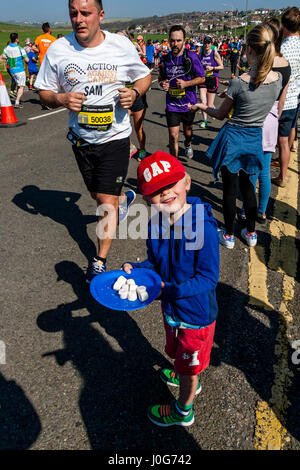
(8, 117)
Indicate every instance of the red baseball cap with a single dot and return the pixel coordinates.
(157, 171)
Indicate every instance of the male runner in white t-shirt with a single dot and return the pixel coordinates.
(91, 66)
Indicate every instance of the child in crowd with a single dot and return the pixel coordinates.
(237, 151)
(189, 268)
(32, 66)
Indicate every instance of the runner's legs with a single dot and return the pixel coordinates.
(203, 98)
(173, 140)
(138, 119)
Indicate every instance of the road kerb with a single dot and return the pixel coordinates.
(270, 431)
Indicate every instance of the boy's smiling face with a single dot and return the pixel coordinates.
(172, 198)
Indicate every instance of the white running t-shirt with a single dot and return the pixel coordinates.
(98, 72)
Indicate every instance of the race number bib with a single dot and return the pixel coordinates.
(96, 118)
(177, 92)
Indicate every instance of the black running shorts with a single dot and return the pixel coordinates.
(139, 104)
(211, 84)
(174, 119)
(104, 167)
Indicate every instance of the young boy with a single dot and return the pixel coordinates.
(32, 68)
(183, 248)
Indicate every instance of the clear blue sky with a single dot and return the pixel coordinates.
(56, 10)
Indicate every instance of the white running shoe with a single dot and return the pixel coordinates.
(226, 240)
(189, 153)
(251, 239)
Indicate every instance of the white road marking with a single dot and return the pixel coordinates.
(45, 115)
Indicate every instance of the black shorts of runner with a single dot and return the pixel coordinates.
(104, 167)
(174, 119)
(139, 104)
(211, 84)
(286, 122)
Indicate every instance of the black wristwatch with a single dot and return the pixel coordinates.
(137, 93)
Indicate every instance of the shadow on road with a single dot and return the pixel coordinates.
(61, 207)
(19, 423)
(120, 381)
(248, 344)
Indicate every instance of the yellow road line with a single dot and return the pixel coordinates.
(270, 431)
(258, 273)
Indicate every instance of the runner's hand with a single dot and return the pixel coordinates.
(222, 94)
(209, 68)
(127, 97)
(165, 85)
(180, 84)
(194, 107)
(72, 101)
(224, 82)
(127, 267)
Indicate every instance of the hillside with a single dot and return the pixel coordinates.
(10, 28)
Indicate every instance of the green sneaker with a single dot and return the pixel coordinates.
(141, 155)
(169, 377)
(166, 415)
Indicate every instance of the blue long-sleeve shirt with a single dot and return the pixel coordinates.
(188, 264)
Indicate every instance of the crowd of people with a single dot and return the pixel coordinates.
(22, 63)
(102, 79)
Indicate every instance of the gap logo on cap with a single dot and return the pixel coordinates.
(158, 170)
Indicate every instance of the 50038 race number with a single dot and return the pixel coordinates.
(96, 117)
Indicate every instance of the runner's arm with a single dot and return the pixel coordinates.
(218, 59)
(188, 83)
(71, 101)
(128, 96)
(219, 113)
(35, 48)
(143, 84)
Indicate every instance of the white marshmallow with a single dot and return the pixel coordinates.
(125, 288)
(141, 289)
(132, 295)
(132, 288)
(119, 283)
(123, 294)
(143, 295)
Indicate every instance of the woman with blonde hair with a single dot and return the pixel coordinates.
(237, 151)
(270, 129)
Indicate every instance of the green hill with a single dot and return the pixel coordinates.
(24, 32)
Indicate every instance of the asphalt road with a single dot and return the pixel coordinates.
(77, 376)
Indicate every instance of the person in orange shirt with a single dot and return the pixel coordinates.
(43, 41)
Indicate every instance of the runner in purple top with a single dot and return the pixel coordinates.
(212, 63)
(180, 72)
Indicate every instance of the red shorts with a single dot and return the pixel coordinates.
(190, 348)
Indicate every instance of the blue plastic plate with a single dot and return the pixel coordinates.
(102, 290)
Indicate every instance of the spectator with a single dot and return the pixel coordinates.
(290, 50)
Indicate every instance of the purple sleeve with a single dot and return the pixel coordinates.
(197, 66)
